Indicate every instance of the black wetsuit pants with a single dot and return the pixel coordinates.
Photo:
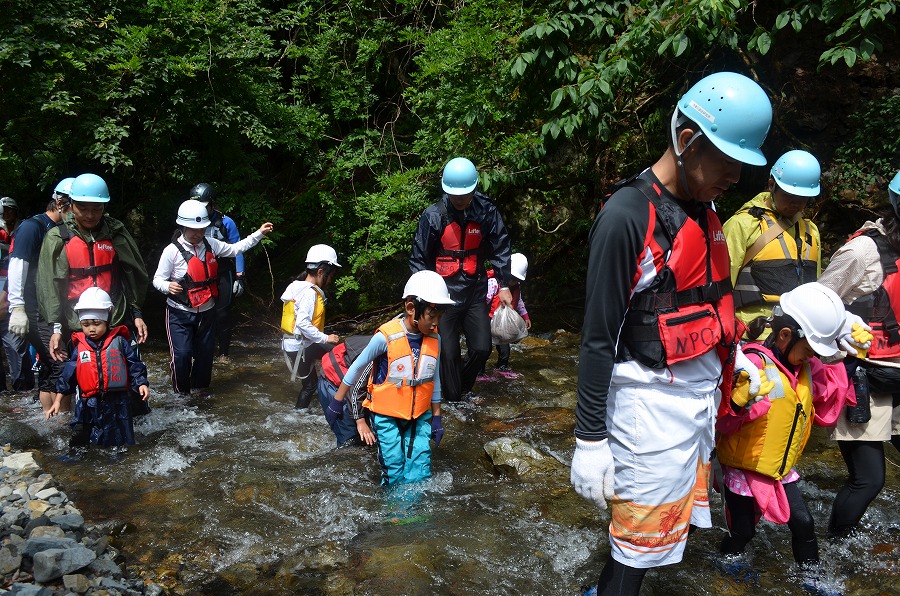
(469, 315)
(743, 516)
(865, 479)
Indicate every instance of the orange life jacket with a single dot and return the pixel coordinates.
(90, 263)
(460, 246)
(406, 391)
(688, 309)
(200, 283)
(102, 369)
(881, 308)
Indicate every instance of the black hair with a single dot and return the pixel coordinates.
(311, 269)
(776, 322)
(891, 222)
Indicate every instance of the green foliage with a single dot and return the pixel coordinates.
(334, 119)
(872, 150)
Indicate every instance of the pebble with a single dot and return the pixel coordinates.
(46, 549)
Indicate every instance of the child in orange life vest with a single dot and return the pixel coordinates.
(760, 441)
(104, 367)
(518, 269)
(405, 386)
(303, 320)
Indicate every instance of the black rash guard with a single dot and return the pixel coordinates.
(618, 242)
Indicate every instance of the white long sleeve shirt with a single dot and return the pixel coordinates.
(172, 265)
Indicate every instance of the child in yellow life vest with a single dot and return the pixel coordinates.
(303, 320)
(103, 366)
(405, 386)
(761, 440)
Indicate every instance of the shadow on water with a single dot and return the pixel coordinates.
(238, 493)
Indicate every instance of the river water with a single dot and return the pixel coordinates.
(236, 493)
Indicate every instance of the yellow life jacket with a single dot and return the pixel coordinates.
(784, 263)
(772, 444)
(289, 313)
(406, 391)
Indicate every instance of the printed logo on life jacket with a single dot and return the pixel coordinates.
(102, 246)
(474, 231)
(690, 341)
(400, 367)
(84, 356)
(718, 236)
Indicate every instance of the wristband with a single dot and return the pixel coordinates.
(57, 328)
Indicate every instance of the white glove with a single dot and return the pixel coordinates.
(592, 471)
(846, 340)
(742, 363)
(18, 321)
(238, 288)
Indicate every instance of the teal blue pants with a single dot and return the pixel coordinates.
(404, 448)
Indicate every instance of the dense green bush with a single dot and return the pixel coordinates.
(334, 119)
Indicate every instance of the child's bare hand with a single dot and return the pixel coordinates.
(175, 288)
(365, 433)
(144, 391)
(53, 410)
(266, 228)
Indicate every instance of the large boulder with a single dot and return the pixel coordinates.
(19, 435)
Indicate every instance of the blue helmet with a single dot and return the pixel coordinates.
(797, 172)
(63, 189)
(733, 112)
(894, 193)
(89, 188)
(460, 177)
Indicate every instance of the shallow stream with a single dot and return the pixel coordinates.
(236, 493)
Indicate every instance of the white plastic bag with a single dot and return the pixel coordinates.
(507, 326)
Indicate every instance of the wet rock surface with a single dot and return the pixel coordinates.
(46, 548)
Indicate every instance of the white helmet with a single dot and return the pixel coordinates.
(819, 312)
(321, 253)
(427, 286)
(192, 214)
(9, 202)
(518, 264)
(94, 303)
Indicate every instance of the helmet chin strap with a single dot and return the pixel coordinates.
(681, 177)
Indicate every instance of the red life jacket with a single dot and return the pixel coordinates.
(336, 363)
(5, 238)
(688, 309)
(460, 246)
(90, 263)
(495, 300)
(881, 308)
(103, 369)
(200, 283)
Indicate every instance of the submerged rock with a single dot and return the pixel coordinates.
(517, 458)
(19, 435)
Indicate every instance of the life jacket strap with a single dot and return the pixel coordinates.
(660, 301)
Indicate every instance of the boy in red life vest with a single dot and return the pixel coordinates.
(761, 440)
(405, 385)
(518, 271)
(188, 275)
(104, 366)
